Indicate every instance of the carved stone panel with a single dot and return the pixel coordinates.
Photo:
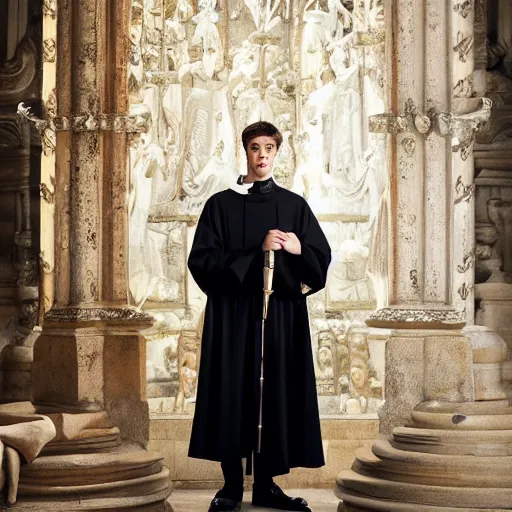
(205, 70)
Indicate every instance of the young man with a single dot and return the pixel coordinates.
(235, 229)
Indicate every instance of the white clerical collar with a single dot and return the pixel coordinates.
(244, 187)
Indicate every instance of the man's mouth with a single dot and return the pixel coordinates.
(262, 165)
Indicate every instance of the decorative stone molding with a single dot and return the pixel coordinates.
(467, 263)
(446, 124)
(86, 315)
(120, 123)
(411, 318)
(412, 120)
(463, 126)
(388, 123)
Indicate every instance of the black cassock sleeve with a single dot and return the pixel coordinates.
(214, 269)
(310, 267)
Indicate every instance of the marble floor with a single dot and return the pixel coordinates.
(320, 500)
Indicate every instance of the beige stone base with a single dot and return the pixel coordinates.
(342, 437)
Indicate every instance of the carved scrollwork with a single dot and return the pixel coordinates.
(409, 145)
(50, 8)
(419, 120)
(120, 123)
(49, 50)
(464, 192)
(111, 315)
(46, 194)
(464, 46)
(387, 123)
(462, 127)
(463, 7)
(467, 262)
(464, 291)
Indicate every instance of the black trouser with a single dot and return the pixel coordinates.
(233, 472)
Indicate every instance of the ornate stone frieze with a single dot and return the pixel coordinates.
(46, 194)
(86, 315)
(127, 123)
(461, 127)
(411, 318)
(388, 123)
(412, 120)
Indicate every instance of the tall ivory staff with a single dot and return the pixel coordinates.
(268, 275)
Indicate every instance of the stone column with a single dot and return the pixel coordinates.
(432, 240)
(90, 355)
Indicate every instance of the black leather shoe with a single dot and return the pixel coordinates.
(224, 505)
(273, 497)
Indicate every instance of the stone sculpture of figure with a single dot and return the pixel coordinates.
(361, 391)
(325, 362)
(207, 148)
(348, 279)
(187, 380)
(354, 401)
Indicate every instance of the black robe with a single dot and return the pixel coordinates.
(226, 261)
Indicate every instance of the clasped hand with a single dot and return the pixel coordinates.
(277, 240)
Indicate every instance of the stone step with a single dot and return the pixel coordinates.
(125, 462)
(385, 461)
(149, 503)
(462, 421)
(412, 493)
(94, 444)
(354, 502)
(490, 443)
(128, 476)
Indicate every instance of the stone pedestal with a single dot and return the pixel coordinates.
(443, 381)
(450, 457)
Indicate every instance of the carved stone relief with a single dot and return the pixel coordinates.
(19, 202)
(204, 71)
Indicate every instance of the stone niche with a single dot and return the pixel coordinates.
(205, 70)
(493, 170)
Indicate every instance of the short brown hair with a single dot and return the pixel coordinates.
(258, 129)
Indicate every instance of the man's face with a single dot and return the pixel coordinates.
(261, 152)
